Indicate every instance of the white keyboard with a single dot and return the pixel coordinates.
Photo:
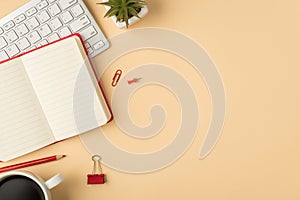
(42, 21)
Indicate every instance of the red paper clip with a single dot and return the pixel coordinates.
(116, 78)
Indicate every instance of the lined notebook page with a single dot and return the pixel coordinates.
(23, 127)
(54, 72)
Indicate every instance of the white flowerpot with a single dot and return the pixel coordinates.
(132, 20)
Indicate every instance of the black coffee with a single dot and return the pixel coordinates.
(20, 188)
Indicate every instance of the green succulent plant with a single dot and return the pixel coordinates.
(124, 9)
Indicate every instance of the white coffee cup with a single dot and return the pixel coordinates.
(45, 186)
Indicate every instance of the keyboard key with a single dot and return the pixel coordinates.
(3, 42)
(33, 23)
(53, 37)
(80, 23)
(90, 50)
(64, 32)
(66, 17)
(23, 43)
(3, 55)
(54, 10)
(31, 48)
(42, 5)
(34, 37)
(21, 30)
(77, 10)
(42, 43)
(43, 16)
(20, 18)
(1, 30)
(98, 45)
(55, 24)
(8, 25)
(88, 33)
(12, 50)
(51, 1)
(87, 45)
(64, 4)
(44, 30)
(11, 36)
(30, 11)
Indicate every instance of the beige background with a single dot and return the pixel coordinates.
(255, 45)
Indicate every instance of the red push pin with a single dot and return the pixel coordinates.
(135, 80)
(96, 178)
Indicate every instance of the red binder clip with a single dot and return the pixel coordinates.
(96, 178)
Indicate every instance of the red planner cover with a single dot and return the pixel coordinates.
(94, 70)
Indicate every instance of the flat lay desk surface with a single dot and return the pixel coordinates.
(255, 46)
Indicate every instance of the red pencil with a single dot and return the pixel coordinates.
(31, 163)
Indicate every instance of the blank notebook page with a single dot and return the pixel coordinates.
(55, 72)
(23, 127)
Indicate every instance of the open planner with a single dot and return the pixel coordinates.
(44, 94)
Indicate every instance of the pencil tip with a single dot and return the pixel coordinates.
(60, 156)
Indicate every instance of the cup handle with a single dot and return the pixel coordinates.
(54, 181)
